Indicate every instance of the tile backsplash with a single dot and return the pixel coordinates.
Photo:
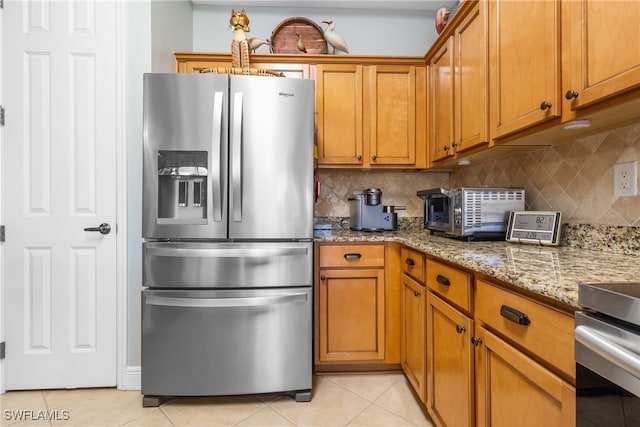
(398, 188)
(575, 177)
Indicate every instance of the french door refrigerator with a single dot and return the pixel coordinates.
(227, 235)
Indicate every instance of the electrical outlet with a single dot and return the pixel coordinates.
(625, 179)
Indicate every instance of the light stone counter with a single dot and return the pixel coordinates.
(553, 272)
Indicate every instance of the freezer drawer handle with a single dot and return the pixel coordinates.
(226, 253)
(619, 356)
(225, 302)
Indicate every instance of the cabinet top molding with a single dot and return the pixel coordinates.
(304, 59)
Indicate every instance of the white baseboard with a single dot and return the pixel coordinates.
(133, 378)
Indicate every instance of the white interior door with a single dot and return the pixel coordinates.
(60, 137)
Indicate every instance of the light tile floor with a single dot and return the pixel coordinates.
(337, 400)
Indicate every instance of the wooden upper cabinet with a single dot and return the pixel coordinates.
(339, 114)
(441, 98)
(458, 89)
(371, 115)
(603, 54)
(524, 51)
(396, 108)
(471, 80)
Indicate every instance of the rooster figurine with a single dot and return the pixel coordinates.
(334, 39)
(442, 17)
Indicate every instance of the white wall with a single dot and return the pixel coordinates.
(366, 31)
(155, 29)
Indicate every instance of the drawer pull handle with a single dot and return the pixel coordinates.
(514, 315)
(352, 256)
(410, 262)
(460, 329)
(443, 280)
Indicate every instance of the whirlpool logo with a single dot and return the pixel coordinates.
(286, 94)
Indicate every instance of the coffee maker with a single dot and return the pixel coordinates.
(368, 214)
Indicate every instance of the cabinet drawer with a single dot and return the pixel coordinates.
(452, 284)
(413, 263)
(544, 332)
(352, 256)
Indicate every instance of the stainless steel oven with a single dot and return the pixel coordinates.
(607, 344)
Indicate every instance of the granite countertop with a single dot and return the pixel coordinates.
(553, 272)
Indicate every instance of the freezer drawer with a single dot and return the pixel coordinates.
(227, 265)
(223, 342)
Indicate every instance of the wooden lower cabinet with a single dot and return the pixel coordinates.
(514, 390)
(414, 334)
(450, 371)
(351, 317)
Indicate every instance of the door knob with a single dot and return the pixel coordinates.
(104, 228)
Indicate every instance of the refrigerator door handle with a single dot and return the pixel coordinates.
(236, 161)
(225, 302)
(226, 252)
(216, 157)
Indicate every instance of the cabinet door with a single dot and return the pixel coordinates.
(603, 57)
(524, 50)
(450, 373)
(339, 114)
(413, 334)
(394, 94)
(441, 123)
(471, 96)
(513, 390)
(352, 315)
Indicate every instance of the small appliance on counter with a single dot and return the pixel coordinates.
(368, 214)
(471, 213)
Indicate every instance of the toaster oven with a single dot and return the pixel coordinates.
(473, 213)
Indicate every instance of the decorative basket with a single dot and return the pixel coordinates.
(284, 38)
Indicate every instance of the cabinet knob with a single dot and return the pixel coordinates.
(446, 148)
(476, 341)
(571, 94)
(359, 157)
(322, 278)
(374, 157)
(454, 145)
(545, 105)
(416, 293)
(410, 262)
(460, 329)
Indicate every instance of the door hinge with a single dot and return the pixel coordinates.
(2, 350)
(1, 113)
(1, 233)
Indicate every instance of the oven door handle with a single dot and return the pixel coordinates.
(620, 356)
(225, 302)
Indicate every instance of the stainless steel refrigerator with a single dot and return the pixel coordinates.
(227, 228)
